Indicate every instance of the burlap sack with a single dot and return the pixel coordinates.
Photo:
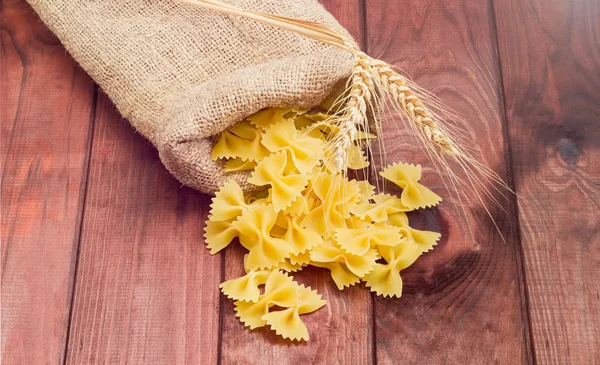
(181, 74)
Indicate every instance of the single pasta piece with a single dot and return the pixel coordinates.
(228, 203)
(254, 227)
(287, 323)
(414, 195)
(286, 187)
(243, 140)
(305, 151)
(219, 234)
(385, 278)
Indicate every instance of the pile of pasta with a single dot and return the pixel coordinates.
(305, 212)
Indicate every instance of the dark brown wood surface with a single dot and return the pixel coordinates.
(103, 259)
(552, 86)
(463, 302)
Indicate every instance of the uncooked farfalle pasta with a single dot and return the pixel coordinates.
(305, 211)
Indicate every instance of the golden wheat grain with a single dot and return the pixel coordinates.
(396, 85)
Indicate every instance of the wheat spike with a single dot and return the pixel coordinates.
(395, 84)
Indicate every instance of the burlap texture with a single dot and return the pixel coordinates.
(181, 74)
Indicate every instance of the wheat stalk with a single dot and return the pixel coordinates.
(354, 115)
(412, 107)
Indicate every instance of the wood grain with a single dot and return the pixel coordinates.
(340, 333)
(122, 247)
(146, 290)
(550, 57)
(46, 116)
(462, 303)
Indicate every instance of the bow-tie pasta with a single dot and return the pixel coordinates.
(306, 212)
(414, 195)
(241, 141)
(286, 185)
(254, 308)
(385, 278)
(254, 227)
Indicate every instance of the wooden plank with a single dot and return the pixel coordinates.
(340, 333)
(46, 115)
(146, 289)
(462, 302)
(552, 87)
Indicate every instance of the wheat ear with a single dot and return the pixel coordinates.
(412, 107)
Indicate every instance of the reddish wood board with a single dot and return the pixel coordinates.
(102, 250)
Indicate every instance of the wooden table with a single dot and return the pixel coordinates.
(103, 259)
